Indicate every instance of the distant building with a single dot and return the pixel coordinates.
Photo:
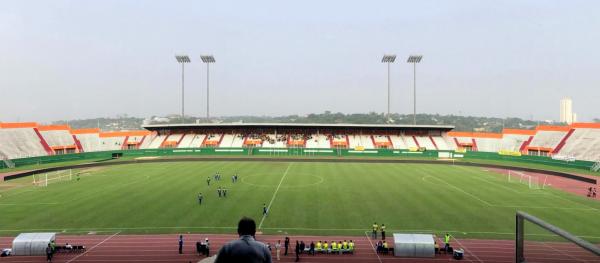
(566, 111)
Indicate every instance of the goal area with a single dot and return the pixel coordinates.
(44, 179)
(532, 181)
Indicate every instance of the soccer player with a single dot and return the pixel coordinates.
(265, 209)
(219, 191)
(224, 192)
(200, 197)
(208, 181)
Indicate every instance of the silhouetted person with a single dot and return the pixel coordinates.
(286, 244)
(245, 249)
(297, 251)
(180, 244)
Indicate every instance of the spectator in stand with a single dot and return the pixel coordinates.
(245, 249)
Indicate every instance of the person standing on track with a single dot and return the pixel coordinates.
(49, 253)
(446, 242)
(382, 231)
(180, 244)
(297, 251)
(286, 244)
(374, 232)
(278, 249)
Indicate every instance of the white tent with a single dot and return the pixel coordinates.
(32, 244)
(414, 245)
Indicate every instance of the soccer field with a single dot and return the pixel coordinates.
(304, 198)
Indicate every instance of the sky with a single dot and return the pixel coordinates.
(86, 59)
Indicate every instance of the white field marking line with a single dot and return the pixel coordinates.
(490, 181)
(274, 194)
(561, 252)
(463, 191)
(88, 250)
(466, 250)
(560, 197)
(320, 181)
(374, 250)
(15, 204)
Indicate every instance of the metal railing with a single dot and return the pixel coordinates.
(520, 230)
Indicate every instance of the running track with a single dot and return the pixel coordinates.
(163, 248)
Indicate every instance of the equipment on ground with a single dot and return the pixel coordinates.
(32, 244)
(52, 177)
(414, 245)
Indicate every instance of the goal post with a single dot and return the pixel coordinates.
(52, 177)
(520, 248)
(532, 182)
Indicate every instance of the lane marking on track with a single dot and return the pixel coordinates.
(274, 195)
(88, 250)
(562, 253)
(373, 247)
(466, 250)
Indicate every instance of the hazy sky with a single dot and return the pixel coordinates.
(81, 59)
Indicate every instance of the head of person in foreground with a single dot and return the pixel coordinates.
(245, 249)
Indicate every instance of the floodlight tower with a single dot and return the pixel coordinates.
(182, 59)
(388, 59)
(414, 59)
(207, 59)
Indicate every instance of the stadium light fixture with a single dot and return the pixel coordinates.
(414, 59)
(388, 58)
(207, 59)
(182, 59)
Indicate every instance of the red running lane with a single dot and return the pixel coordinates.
(163, 248)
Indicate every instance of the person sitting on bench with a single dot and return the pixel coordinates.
(68, 247)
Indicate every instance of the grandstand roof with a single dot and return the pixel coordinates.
(300, 125)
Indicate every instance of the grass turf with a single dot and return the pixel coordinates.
(308, 198)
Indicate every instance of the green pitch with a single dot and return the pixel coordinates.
(304, 198)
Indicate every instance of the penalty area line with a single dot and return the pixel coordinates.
(274, 194)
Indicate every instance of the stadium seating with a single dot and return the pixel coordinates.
(425, 141)
(583, 144)
(21, 143)
(398, 142)
(547, 139)
(440, 143)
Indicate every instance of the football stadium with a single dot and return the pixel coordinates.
(127, 195)
(299, 131)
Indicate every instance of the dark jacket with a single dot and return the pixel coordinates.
(245, 249)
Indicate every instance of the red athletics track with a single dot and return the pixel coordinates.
(163, 248)
(561, 183)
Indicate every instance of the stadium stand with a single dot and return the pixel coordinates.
(579, 141)
(398, 142)
(583, 143)
(546, 139)
(20, 140)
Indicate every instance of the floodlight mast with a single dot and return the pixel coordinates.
(182, 59)
(388, 59)
(414, 59)
(207, 59)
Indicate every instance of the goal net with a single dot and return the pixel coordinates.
(52, 177)
(533, 182)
